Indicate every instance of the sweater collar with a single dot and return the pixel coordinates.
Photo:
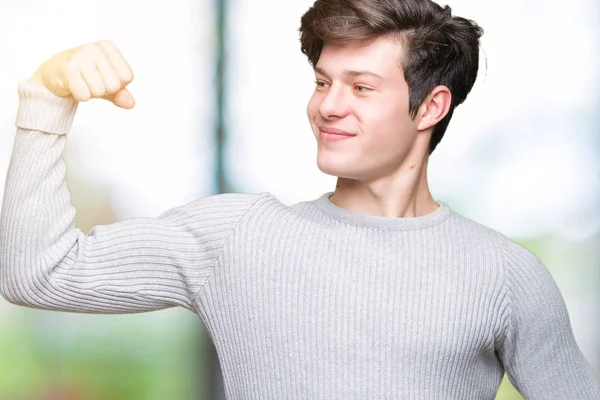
(370, 221)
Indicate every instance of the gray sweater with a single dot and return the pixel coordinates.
(310, 301)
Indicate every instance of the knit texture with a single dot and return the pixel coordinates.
(309, 301)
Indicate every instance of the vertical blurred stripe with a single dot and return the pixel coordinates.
(215, 377)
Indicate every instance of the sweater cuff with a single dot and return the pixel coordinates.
(41, 110)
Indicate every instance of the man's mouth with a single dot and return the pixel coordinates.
(328, 134)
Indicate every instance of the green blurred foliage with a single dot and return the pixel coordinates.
(144, 356)
(507, 391)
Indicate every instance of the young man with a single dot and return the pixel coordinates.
(373, 291)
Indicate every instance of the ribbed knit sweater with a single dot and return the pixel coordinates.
(309, 301)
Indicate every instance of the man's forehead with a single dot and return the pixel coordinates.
(380, 57)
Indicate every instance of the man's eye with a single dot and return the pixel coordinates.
(361, 88)
(320, 84)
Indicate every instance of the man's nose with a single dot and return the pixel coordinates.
(335, 104)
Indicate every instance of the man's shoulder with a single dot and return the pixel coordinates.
(473, 231)
(228, 199)
(486, 238)
(515, 257)
(222, 205)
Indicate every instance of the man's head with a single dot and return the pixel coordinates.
(426, 63)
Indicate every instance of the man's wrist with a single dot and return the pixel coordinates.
(35, 80)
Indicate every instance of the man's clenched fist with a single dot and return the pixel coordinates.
(91, 71)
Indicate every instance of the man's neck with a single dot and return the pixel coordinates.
(405, 194)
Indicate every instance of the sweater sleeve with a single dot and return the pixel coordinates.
(539, 352)
(136, 265)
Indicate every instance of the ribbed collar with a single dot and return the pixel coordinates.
(370, 221)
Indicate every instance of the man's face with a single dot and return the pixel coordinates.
(359, 111)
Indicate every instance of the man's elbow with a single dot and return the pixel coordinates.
(16, 291)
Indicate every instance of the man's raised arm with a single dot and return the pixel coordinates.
(135, 265)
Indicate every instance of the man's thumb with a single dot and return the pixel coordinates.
(122, 99)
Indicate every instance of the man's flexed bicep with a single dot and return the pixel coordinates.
(539, 351)
(135, 265)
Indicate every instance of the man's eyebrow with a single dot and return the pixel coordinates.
(359, 73)
(351, 72)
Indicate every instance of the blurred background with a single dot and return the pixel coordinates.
(221, 91)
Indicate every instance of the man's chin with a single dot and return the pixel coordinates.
(338, 171)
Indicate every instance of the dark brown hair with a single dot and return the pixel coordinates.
(440, 49)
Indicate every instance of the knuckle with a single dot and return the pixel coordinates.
(94, 47)
(97, 92)
(92, 51)
(87, 48)
(126, 74)
(112, 87)
(126, 77)
(72, 68)
(107, 44)
(71, 73)
(110, 79)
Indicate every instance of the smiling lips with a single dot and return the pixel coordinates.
(333, 135)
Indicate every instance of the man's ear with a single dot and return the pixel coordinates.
(435, 107)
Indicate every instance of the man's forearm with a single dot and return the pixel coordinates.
(37, 217)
